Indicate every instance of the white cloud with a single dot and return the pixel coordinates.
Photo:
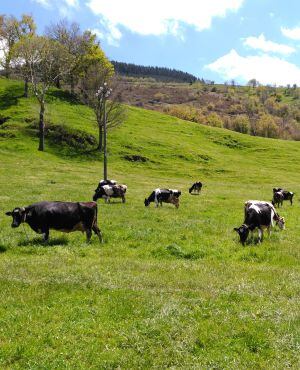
(266, 69)
(261, 43)
(58, 3)
(158, 17)
(292, 33)
(111, 34)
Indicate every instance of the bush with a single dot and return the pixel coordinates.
(214, 120)
(241, 124)
(266, 126)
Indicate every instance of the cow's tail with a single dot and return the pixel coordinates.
(95, 220)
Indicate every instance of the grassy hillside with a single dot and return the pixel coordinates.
(168, 288)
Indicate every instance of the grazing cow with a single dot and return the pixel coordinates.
(110, 191)
(259, 214)
(158, 196)
(196, 187)
(278, 199)
(287, 195)
(61, 216)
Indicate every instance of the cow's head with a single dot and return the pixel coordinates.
(98, 193)
(280, 221)
(243, 232)
(18, 215)
(146, 202)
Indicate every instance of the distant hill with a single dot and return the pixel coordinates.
(158, 73)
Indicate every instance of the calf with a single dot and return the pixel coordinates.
(158, 196)
(196, 187)
(62, 216)
(260, 215)
(110, 191)
(287, 195)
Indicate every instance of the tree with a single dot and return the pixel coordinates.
(12, 31)
(241, 123)
(253, 82)
(47, 60)
(81, 45)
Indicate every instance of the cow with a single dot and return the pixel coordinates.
(196, 187)
(278, 199)
(287, 195)
(158, 196)
(110, 191)
(61, 216)
(260, 215)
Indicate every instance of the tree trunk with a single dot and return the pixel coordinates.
(57, 83)
(42, 127)
(100, 144)
(26, 87)
(104, 143)
(7, 68)
(72, 84)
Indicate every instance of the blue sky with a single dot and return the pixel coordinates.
(218, 40)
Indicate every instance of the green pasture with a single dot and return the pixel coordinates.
(168, 288)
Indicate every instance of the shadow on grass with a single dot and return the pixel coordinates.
(62, 95)
(40, 242)
(3, 248)
(10, 96)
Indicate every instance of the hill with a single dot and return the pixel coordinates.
(168, 288)
(266, 111)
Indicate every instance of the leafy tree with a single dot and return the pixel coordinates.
(253, 82)
(11, 31)
(47, 60)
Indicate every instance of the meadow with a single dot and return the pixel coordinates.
(168, 288)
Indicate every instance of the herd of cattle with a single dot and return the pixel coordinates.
(82, 216)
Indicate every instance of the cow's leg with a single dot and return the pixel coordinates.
(97, 231)
(88, 234)
(291, 200)
(260, 235)
(123, 199)
(45, 235)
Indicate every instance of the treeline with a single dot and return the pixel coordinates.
(64, 56)
(158, 73)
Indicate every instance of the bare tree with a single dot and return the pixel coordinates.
(47, 60)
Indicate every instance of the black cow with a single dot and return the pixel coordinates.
(158, 196)
(287, 195)
(196, 187)
(260, 215)
(61, 216)
(110, 191)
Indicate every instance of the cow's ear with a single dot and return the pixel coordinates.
(8, 213)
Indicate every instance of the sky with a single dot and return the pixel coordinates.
(219, 40)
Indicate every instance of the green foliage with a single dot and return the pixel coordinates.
(241, 124)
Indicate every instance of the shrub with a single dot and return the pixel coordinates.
(241, 123)
(266, 126)
(214, 120)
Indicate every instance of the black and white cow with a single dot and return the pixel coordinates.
(196, 187)
(110, 191)
(278, 198)
(62, 216)
(287, 195)
(258, 215)
(158, 196)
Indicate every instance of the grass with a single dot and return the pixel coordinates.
(168, 288)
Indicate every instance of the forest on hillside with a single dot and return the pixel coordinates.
(158, 73)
